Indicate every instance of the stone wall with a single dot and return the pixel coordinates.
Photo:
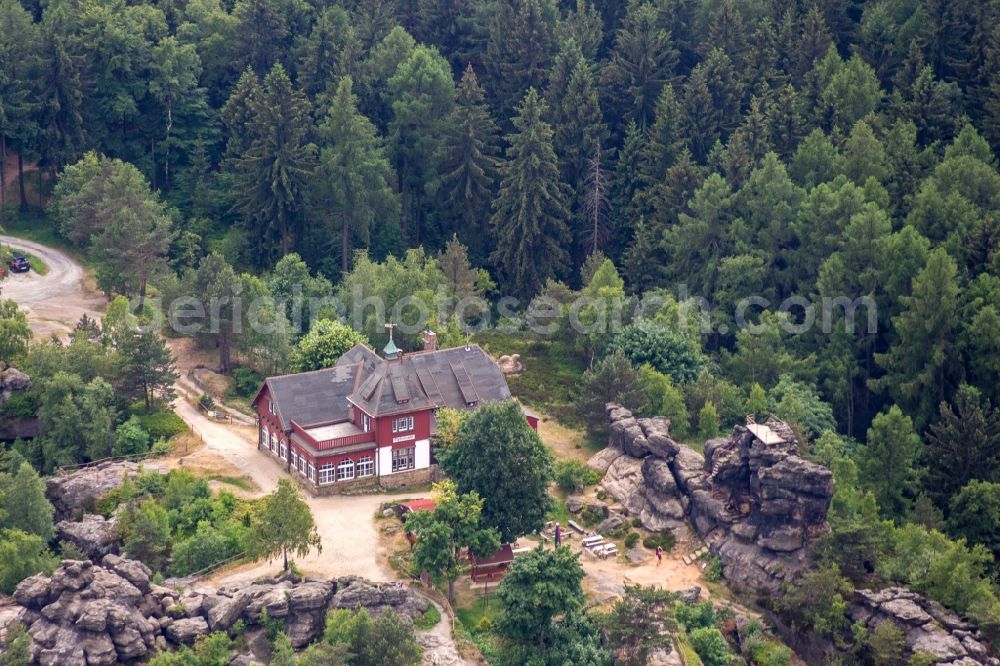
(89, 614)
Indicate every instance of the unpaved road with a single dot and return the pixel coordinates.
(55, 301)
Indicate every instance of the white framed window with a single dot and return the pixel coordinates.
(295, 459)
(345, 470)
(281, 450)
(271, 443)
(403, 459)
(263, 436)
(366, 466)
(312, 472)
(270, 406)
(366, 422)
(302, 465)
(402, 424)
(327, 473)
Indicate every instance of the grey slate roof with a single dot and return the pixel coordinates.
(311, 398)
(460, 377)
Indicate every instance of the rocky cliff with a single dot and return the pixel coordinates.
(70, 493)
(86, 614)
(757, 506)
(760, 506)
(926, 625)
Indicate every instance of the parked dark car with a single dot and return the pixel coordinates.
(19, 264)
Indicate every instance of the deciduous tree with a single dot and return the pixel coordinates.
(501, 458)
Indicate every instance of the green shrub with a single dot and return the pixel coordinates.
(20, 404)
(247, 381)
(769, 653)
(636, 522)
(664, 539)
(711, 646)
(591, 515)
(428, 619)
(573, 476)
(162, 425)
(205, 401)
(713, 572)
(696, 615)
(631, 539)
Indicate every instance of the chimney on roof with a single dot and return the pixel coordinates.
(430, 340)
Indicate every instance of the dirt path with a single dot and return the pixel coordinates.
(346, 525)
(55, 301)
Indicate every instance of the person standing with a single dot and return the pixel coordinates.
(659, 556)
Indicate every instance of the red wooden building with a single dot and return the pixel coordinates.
(369, 416)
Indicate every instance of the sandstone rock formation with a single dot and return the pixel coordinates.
(71, 492)
(926, 626)
(86, 614)
(760, 506)
(757, 506)
(14, 381)
(96, 536)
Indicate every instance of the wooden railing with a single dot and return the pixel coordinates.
(334, 443)
(345, 441)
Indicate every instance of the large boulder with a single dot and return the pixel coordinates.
(69, 493)
(186, 631)
(95, 535)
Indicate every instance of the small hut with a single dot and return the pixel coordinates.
(492, 568)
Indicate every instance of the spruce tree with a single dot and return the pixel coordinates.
(261, 32)
(579, 133)
(643, 60)
(625, 180)
(469, 164)
(273, 173)
(812, 42)
(18, 125)
(963, 445)
(920, 367)
(354, 177)
(664, 142)
(237, 113)
(520, 50)
(59, 69)
(421, 91)
(532, 207)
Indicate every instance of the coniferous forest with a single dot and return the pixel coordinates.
(783, 151)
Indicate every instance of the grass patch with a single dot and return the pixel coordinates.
(481, 614)
(559, 513)
(241, 482)
(428, 619)
(37, 265)
(551, 374)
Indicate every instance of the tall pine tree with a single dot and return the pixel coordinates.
(469, 164)
(274, 171)
(354, 177)
(532, 207)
